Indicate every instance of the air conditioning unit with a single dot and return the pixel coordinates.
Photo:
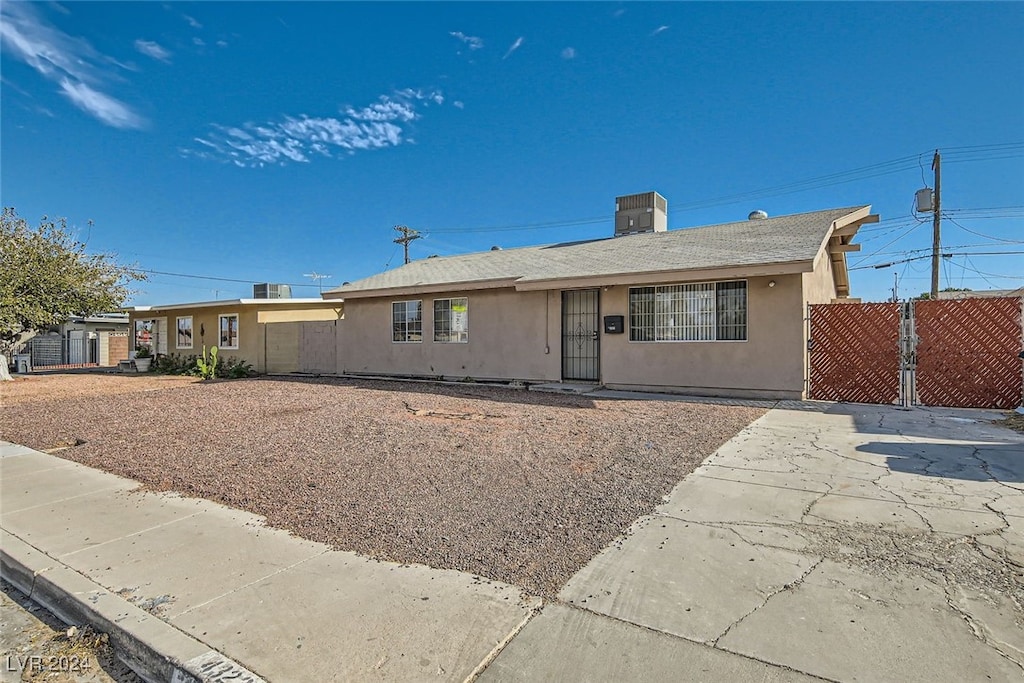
(644, 212)
(269, 291)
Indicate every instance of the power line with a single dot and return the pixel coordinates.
(219, 279)
(981, 234)
(889, 264)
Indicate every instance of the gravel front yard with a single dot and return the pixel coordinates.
(511, 485)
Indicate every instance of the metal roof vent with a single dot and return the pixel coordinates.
(757, 215)
(644, 212)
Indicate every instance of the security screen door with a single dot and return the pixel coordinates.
(580, 355)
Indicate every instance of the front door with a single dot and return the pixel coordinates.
(580, 353)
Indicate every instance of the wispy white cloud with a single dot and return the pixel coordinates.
(191, 21)
(458, 104)
(660, 29)
(154, 50)
(196, 40)
(69, 62)
(515, 46)
(111, 111)
(472, 42)
(379, 125)
(222, 43)
(619, 12)
(569, 53)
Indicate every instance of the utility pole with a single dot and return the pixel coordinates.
(408, 235)
(936, 220)
(318, 278)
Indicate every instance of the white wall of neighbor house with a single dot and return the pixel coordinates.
(512, 335)
(769, 364)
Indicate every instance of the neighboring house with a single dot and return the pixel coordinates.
(715, 310)
(261, 332)
(982, 294)
(82, 341)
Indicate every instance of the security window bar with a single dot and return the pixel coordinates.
(407, 321)
(451, 321)
(732, 311)
(229, 331)
(184, 336)
(705, 311)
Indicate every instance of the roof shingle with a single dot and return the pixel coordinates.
(783, 239)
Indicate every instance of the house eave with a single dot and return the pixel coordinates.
(673, 274)
(433, 288)
(224, 303)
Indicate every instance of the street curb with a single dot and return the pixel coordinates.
(154, 649)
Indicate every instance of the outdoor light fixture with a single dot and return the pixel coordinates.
(771, 283)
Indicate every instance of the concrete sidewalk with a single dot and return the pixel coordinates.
(836, 542)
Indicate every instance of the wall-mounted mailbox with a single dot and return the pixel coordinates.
(614, 324)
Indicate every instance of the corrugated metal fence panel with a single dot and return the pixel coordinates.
(967, 353)
(855, 352)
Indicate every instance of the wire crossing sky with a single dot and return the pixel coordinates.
(219, 144)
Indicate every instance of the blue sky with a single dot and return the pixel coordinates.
(266, 141)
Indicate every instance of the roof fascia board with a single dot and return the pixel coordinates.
(225, 303)
(675, 275)
(435, 288)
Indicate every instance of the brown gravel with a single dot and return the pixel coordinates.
(516, 486)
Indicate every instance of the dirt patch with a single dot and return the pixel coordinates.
(1014, 421)
(510, 485)
(38, 647)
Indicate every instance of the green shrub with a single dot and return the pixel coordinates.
(234, 368)
(176, 364)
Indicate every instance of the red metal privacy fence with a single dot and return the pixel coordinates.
(854, 352)
(957, 353)
(967, 352)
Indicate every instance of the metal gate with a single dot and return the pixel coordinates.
(967, 352)
(957, 353)
(580, 353)
(854, 352)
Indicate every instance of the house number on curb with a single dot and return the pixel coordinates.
(213, 667)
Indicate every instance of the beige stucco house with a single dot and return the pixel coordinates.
(262, 332)
(715, 310)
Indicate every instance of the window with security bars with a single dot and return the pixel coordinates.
(451, 320)
(706, 311)
(407, 321)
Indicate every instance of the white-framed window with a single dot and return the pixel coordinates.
(451, 320)
(184, 334)
(406, 321)
(705, 311)
(228, 330)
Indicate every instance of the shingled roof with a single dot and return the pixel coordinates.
(792, 241)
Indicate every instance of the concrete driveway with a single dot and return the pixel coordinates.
(844, 542)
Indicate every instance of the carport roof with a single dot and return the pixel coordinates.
(792, 241)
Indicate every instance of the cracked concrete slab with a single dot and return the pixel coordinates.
(566, 644)
(847, 625)
(898, 534)
(706, 498)
(683, 578)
